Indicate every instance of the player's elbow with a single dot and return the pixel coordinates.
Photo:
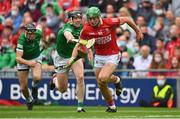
(125, 20)
(18, 59)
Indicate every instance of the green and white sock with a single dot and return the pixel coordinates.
(35, 83)
(80, 105)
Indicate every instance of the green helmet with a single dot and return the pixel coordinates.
(93, 12)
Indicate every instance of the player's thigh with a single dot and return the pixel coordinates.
(23, 78)
(60, 63)
(107, 70)
(62, 80)
(78, 69)
(97, 71)
(37, 72)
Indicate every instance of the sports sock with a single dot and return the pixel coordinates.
(118, 79)
(29, 99)
(111, 104)
(80, 105)
(35, 84)
(55, 81)
(113, 107)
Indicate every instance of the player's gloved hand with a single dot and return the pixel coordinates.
(83, 42)
(70, 62)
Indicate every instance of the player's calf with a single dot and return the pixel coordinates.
(51, 85)
(34, 93)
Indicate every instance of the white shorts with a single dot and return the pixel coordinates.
(22, 67)
(60, 63)
(101, 60)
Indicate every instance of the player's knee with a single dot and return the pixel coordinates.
(100, 83)
(80, 79)
(37, 77)
(103, 79)
(23, 87)
(62, 90)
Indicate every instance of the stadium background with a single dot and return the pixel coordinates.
(159, 21)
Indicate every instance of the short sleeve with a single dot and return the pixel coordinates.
(39, 33)
(20, 43)
(68, 28)
(113, 21)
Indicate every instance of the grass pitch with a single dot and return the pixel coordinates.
(69, 112)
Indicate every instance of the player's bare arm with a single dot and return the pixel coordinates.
(70, 38)
(74, 53)
(90, 56)
(19, 59)
(139, 34)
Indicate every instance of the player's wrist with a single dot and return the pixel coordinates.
(71, 59)
(83, 42)
(75, 40)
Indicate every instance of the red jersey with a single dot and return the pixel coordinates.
(105, 36)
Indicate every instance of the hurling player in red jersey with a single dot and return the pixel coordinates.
(106, 50)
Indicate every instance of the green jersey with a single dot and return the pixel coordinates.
(65, 49)
(30, 48)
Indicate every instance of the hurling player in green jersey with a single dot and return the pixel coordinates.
(65, 45)
(28, 57)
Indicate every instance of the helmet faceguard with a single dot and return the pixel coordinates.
(75, 14)
(30, 31)
(30, 28)
(75, 18)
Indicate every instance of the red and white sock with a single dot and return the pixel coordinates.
(118, 79)
(111, 104)
(55, 81)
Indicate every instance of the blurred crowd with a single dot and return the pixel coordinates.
(159, 20)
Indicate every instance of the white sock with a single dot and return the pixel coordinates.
(55, 81)
(118, 80)
(35, 84)
(79, 108)
(30, 98)
(113, 106)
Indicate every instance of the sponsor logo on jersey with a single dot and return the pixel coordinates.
(103, 40)
(100, 33)
(104, 31)
(91, 33)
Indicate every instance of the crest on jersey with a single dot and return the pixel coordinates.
(115, 19)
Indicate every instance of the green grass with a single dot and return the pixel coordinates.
(68, 112)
